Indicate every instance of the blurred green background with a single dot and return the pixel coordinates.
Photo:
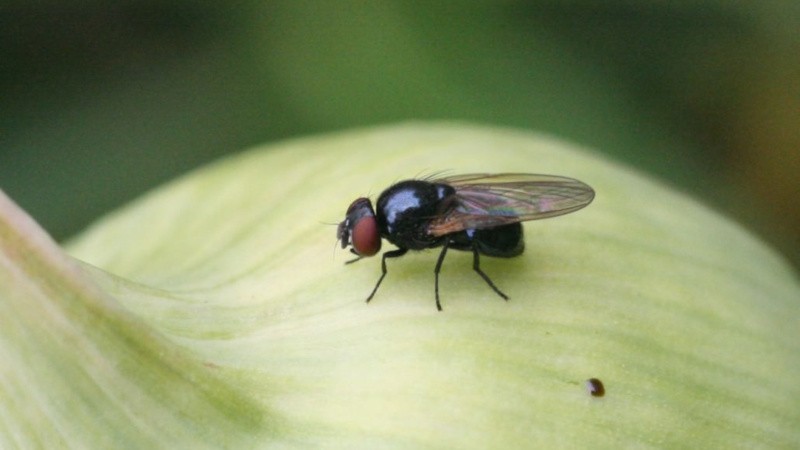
(100, 101)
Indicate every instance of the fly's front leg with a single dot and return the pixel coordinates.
(476, 265)
(389, 254)
(357, 258)
(436, 272)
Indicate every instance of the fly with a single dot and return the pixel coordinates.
(480, 213)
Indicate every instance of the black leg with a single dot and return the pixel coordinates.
(389, 254)
(476, 265)
(436, 272)
(358, 257)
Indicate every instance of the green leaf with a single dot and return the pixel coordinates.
(79, 370)
(216, 311)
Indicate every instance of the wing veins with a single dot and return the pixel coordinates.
(487, 201)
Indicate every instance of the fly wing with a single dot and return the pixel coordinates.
(487, 201)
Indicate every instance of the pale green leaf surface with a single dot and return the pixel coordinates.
(245, 328)
(79, 370)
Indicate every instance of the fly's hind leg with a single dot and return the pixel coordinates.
(476, 265)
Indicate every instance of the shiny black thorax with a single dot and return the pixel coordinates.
(405, 210)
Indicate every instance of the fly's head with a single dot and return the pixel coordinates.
(359, 229)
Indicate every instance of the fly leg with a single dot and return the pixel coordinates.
(357, 258)
(437, 269)
(476, 265)
(389, 254)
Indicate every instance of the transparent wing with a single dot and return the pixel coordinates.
(487, 201)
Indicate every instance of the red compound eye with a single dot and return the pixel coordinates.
(365, 236)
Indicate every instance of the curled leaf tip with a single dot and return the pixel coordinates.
(82, 371)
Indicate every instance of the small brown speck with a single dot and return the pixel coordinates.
(595, 387)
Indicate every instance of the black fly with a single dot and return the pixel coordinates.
(480, 213)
